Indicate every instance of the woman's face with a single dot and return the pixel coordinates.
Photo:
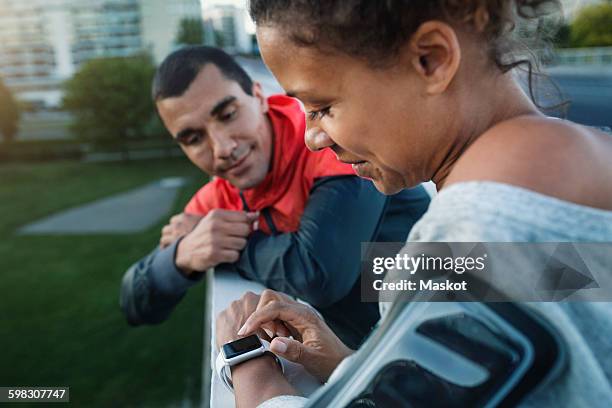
(379, 120)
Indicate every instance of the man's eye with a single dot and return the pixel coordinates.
(190, 139)
(228, 115)
(318, 114)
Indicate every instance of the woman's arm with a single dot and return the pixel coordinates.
(259, 380)
(313, 345)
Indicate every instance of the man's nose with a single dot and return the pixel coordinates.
(317, 139)
(223, 146)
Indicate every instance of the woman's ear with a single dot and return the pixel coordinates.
(435, 55)
(259, 94)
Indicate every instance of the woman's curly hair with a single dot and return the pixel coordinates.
(375, 30)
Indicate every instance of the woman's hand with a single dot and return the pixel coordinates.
(229, 321)
(314, 345)
(256, 380)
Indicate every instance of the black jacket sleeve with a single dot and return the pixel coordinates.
(319, 262)
(153, 286)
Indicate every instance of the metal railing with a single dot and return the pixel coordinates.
(597, 56)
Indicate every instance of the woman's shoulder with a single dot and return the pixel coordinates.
(550, 156)
(498, 212)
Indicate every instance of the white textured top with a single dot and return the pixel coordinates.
(483, 211)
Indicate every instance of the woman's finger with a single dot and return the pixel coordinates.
(266, 297)
(281, 329)
(262, 334)
(290, 313)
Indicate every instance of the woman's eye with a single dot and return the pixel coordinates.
(319, 114)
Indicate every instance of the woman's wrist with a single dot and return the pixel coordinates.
(345, 353)
(263, 364)
(258, 380)
(342, 353)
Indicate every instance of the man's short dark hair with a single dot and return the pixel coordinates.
(180, 68)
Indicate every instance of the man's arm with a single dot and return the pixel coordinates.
(320, 261)
(153, 286)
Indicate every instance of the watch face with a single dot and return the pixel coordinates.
(241, 346)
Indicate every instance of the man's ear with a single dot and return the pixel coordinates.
(435, 54)
(259, 94)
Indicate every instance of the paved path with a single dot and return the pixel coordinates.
(125, 213)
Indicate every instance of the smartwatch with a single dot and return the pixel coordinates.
(239, 351)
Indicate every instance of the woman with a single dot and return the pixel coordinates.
(411, 91)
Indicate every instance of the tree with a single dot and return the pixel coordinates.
(191, 32)
(593, 26)
(220, 39)
(562, 38)
(111, 99)
(9, 114)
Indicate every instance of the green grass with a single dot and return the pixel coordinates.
(60, 323)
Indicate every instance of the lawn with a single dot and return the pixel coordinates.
(60, 323)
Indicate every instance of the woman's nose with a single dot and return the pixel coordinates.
(317, 139)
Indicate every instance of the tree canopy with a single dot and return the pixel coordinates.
(111, 98)
(191, 32)
(593, 26)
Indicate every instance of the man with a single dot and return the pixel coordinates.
(274, 212)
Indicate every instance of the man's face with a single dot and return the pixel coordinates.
(223, 130)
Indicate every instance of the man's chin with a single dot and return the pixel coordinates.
(243, 183)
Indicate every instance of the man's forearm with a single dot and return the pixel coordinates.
(259, 380)
(152, 287)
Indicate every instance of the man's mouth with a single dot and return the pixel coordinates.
(359, 165)
(353, 162)
(362, 168)
(239, 155)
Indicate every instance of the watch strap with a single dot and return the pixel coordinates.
(224, 370)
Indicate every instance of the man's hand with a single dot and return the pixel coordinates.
(314, 345)
(178, 226)
(217, 238)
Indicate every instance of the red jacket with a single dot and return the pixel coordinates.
(285, 190)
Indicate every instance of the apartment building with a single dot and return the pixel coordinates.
(43, 42)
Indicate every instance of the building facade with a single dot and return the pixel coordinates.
(43, 42)
(228, 23)
(161, 20)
